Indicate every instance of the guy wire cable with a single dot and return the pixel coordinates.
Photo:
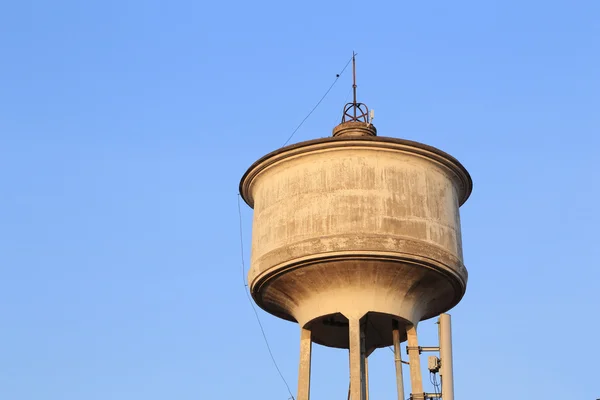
(337, 76)
(262, 330)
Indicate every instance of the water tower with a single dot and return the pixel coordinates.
(357, 238)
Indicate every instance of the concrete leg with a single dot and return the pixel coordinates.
(398, 360)
(304, 369)
(446, 372)
(357, 387)
(416, 381)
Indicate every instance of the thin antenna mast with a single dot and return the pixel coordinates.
(355, 111)
(354, 81)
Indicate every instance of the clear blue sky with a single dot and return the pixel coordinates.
(126, 125)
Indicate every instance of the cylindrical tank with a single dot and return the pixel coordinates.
(356, 224)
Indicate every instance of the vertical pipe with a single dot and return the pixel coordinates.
(354, 82)
(304, 368)
(416, 381)
(446, 371)
(398, 360)
(356, 370)
(366, 378)
(349, 382)
(363, 365)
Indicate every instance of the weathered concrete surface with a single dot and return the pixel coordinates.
(416, 380)
(357, 383)
(305, 365)
(398, 362)
(356, 224)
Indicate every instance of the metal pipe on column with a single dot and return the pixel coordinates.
(364, 365)
(349, 378)
(366, 378)
(446, 371)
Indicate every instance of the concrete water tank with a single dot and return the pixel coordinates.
(356, 236)
(354, 224)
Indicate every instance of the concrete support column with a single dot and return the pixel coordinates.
(398, 360)
(304, 368)
(357, 382)
(416, 380)
(446, 373)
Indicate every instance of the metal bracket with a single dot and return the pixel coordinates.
(425, 396)
(407, 363)
(422, 349)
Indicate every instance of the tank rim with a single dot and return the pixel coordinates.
(466, 183)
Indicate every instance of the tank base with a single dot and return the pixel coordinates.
(327, 293)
